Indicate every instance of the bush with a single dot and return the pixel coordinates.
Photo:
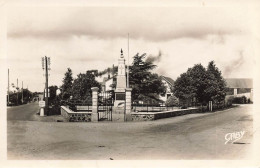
(240, 100)
(229, 101)
(54, 108)
(249, 101)
(172, 101)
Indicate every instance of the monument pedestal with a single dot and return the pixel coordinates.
(119, 98)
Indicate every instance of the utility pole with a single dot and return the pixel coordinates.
(128, 64)
(45, 65)
(8, 97)
(17, 92)
(28, 94)
(22, 92)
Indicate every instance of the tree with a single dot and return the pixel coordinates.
(67, 85)
(146, 85)
(172, 101)
(52, 93)
(202, 84)
(198, 76)
(183, 88)
(216, 89)
(27, 96)
(81, 88)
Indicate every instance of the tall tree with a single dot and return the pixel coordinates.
(198, 75)
(146, 85)
(67, 85)
(183, 88)
(82, 86)
(200, 83)
(216, 84)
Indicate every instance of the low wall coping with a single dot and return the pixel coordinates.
(73, 112)
(154, 113)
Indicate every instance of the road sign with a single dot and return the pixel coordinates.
(42, 103)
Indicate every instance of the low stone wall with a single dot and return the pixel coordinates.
(149, 116)
(72, 116)
(84, 108)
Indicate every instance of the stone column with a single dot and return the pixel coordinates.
(94, 115)
(251, 95)
(235, 92)
(128, 102)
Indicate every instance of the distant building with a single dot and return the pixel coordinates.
(106, 84)
(169, 83)
(239, 87)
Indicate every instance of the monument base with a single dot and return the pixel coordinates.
(119, 98)
(119, 103)
(128, 117)
(94, 117)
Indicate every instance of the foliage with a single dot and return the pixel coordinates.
(146, 85)
(54, 108)
(202, 84)
(81, 88)
(27, 97)
(216, 86)
(172, 101)
(240, 100)
(184, 87)
(67, 85)
(52, 93)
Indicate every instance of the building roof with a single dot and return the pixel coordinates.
(169, 80)
(239, 82)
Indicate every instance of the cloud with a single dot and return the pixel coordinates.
(153, 24)
(234, 65)
(91, 38)
(154, 58)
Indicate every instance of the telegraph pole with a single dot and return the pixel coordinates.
(128, 63)
(45, 65)
(17, 92)
(46, 85)
(22, 92)
(8, 97)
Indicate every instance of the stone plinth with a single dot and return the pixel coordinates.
(128, 104)
(94, 116)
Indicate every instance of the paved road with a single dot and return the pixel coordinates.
(24, 112)
(194, 136)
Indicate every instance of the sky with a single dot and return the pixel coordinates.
(85, 38)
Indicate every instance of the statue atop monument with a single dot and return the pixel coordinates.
(122, 56)
(120, 81)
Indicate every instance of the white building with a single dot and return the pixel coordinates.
(239, 87)
(169, 83)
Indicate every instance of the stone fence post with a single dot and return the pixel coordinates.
(94, 115)
(128, 102)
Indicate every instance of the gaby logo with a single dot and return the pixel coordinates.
(232, 137)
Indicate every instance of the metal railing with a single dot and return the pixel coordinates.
(152, 108)
(78, 105)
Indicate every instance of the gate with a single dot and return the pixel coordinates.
(105, 106)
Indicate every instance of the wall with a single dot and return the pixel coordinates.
(149, 116)
(71, 116)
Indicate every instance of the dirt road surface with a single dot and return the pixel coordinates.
(194, 136)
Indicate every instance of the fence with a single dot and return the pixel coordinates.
(152, 108)
(78, 105)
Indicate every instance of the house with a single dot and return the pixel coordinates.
(169, 83)
(107, 82)
(239, 87)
